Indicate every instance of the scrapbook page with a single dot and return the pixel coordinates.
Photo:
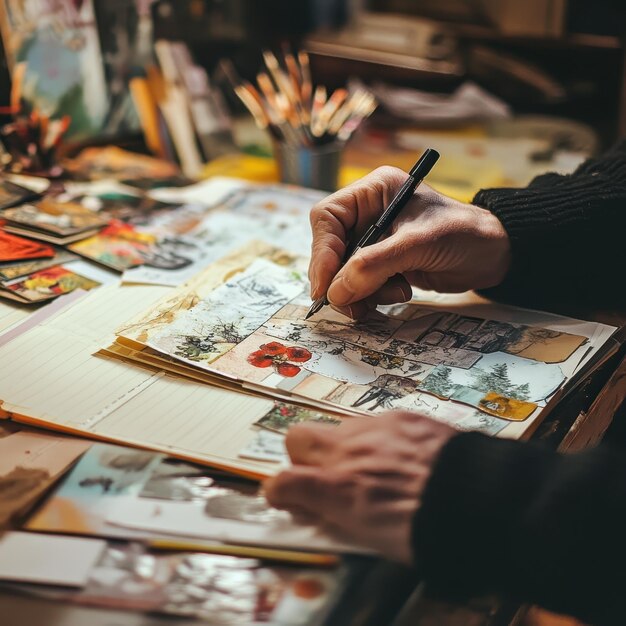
(55, 218)
(225, 222)
(46, 284)
(244, 322)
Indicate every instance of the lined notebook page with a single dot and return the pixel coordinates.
(51, 374)
(12, 314)
(101, 311)
(190, 419)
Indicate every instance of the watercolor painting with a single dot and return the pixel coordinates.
(277, 215)
(49, 283)
(481, 336)
(13, 270)
(118, 246)
(59, 43)
(230, 313)
(282, 416)
(14, 248)
(251, 328)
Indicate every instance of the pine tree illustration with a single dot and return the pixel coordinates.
(439, 382)
(522, 392)
(498, 380)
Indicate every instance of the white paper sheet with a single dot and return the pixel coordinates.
(189, 519)
(48, 559)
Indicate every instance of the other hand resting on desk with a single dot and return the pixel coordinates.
(364, 482)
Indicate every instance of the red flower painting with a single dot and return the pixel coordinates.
(282, 358)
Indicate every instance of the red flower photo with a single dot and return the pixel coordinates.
(282, 358)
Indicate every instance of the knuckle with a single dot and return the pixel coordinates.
(318, 213)
(360, 262)
(388, 172)
(279, 488)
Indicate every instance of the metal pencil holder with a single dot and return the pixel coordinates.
(314, 166)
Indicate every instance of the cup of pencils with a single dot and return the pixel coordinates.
(309, 128)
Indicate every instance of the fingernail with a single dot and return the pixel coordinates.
(348, 311)
(340, 293)
(314, 284)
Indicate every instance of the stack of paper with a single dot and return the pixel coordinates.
(241, 324)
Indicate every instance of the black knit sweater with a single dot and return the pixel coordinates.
(518, 519)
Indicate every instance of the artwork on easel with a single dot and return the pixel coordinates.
(79, 56)
(58, 41)
(252, 328)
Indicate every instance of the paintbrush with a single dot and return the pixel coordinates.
(286, 105)
(306, 91)
(325, 114)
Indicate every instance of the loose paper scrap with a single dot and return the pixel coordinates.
(48, 559)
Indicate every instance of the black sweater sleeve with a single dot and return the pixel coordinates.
(568, 234)
(520, 520)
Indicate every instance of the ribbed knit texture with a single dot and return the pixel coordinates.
(568, 234)
(522, 521)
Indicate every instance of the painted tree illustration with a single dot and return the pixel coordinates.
(497, 379)
(522, 392)
(439, 382)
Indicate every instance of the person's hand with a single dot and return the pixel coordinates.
(436, 243)
(362, 480)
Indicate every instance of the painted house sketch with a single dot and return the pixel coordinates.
(252, 328)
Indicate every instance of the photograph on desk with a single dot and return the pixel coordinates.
(15, 269)
(442, 363)
(217, 589)
(117, 492)
(12, 194)
(46, 284)
(110, 197)
(63, 219)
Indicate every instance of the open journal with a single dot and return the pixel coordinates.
(215, 370)
(241, 324)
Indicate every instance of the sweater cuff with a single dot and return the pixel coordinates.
(549, 210)
(466, 526)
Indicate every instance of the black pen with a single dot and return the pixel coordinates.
(417, 174)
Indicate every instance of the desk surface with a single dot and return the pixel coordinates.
(389, 595)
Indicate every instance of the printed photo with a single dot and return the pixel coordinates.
(49, 283)
(10, 271)
(12, 194)
(60, 218)
(283, 416)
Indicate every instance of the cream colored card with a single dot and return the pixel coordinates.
(48, 559)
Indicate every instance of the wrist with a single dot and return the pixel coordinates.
(493, 232)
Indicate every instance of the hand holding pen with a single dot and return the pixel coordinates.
(434, 242)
